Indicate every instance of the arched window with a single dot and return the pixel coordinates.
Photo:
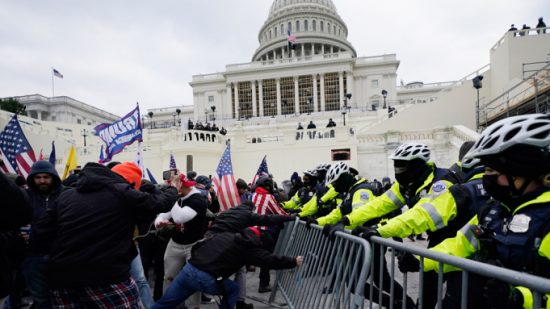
(314, 24)
(322, 25)
(306, 28)
(275, 31)
(282, 28)
(297, 25)
(328, 27)
(270, 34)
(289, 26)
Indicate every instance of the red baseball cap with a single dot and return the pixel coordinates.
(185, 182)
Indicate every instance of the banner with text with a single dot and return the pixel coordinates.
(120, 134)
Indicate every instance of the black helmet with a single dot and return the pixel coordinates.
(205, 181)
(265, 182)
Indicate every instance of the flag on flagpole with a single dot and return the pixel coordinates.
(15, 150)
(151, 178)
(101, 155)
(52, 155)
(56, 73)
(71, 163)
(262, 170)
(120, 133)
(41, 156)
(228, 196)
(172, 162)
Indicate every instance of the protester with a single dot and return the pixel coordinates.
(331, 123)
(44, 189)
(88, 231)
(189, 217)
(16, 211)
(541, 24)
(216, 258)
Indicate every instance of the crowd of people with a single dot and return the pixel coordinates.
(92, 243)
(205, 127)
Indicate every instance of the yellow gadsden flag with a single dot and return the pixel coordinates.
(71, 163)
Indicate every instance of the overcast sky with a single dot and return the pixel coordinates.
(116, 53)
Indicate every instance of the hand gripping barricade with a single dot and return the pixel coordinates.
(333, 274)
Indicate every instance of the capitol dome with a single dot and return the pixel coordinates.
(315, 23)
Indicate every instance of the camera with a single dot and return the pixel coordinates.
(166, 175)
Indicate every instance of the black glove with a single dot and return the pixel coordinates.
(149, 188)
(498, 295)
(408, 263)
(309, 222)
(365, 232)
(331, 229)
(294, 211)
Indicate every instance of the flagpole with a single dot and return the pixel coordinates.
(53, 89)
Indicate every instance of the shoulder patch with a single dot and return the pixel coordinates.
(365, 196)
(438, 188)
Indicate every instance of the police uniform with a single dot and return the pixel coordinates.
(324, 201)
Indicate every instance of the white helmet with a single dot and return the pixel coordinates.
(469, 162)
(322, 167)
(336, 171)
(531, 130)
(310, 173)
(411, 151)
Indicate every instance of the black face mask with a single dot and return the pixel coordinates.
(411, 175)
(507, 195)
(344, 183)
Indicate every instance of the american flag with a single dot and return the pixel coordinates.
(262, 170)
(228, 196)
(15, 150)
(172, 162)
(56, 73)
(265, 204)
(291, 37)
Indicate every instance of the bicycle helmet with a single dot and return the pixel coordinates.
(336, 171)
(311, 173)
(411, 151)
(322, 167)
(531, 130)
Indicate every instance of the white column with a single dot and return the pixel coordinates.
(303, 50)
(261, 97)
(349, 82)
(341, 84)
(279, 96)
(237, 114)
(322, 92)
(315, 98)
(322, 49)
(254, 109)
(296, 96)
(228, 104)
(39, 115)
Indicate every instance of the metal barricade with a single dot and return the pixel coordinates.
(333, 274)
(470, 268)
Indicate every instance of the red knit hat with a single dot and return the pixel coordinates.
(255, 230)
(130, 172)
(186, 182)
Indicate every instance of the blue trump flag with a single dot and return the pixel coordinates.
(120, 133)
(52, 155)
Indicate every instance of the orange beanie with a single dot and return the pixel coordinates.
(129, 171)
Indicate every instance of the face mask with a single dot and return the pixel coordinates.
(498, 192)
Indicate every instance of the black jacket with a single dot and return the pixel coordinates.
(243, 216)
(15, 211)
(39, 201)
(90, 228)
(222, 254)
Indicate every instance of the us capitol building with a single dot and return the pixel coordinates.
(261, 102)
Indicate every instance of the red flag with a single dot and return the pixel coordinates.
(224, 183)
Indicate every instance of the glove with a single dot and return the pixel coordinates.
(294, 211)
(149, 188)
(365, 232)
(498, 295)
(309, 222)
(408, 263)
(331, 229)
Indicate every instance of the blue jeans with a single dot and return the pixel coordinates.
(190, 280)
(136, 271)
(34, 271)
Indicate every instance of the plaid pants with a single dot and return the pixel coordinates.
(119, 295)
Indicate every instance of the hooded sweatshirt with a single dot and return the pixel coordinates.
(90, 228)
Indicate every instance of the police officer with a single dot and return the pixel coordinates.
(325, 199)
(304, 194)
(416, 178)
(513, 231)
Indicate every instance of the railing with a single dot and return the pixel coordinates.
(538, 82)
(519, 33)
(335, 273)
